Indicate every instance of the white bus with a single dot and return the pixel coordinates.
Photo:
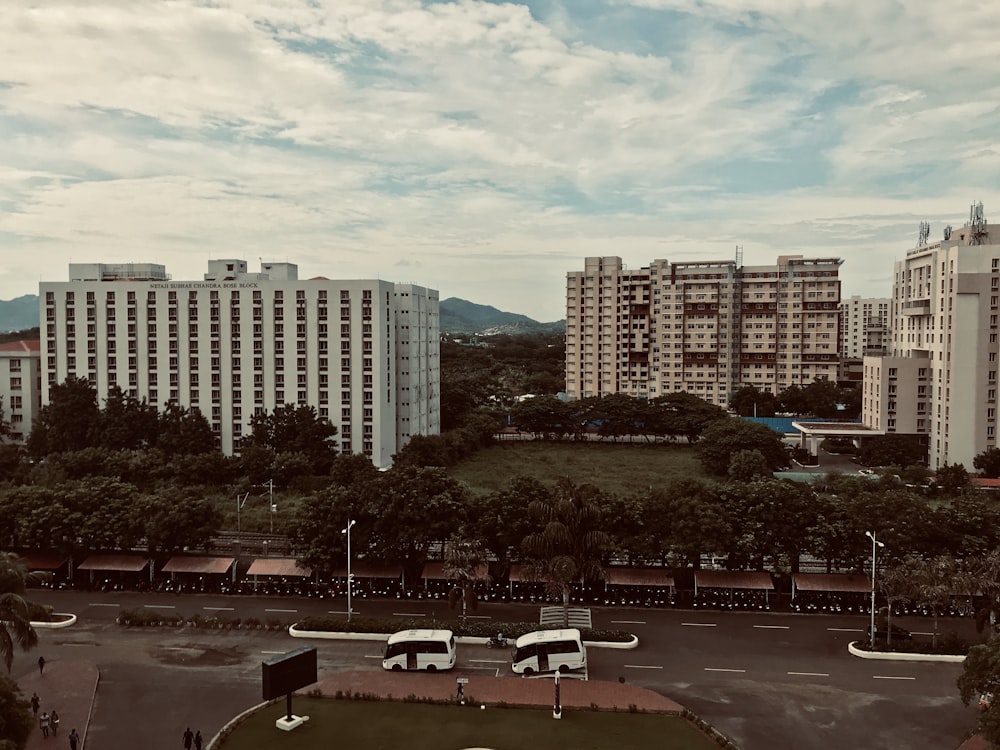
(420, 649)
(549, 650)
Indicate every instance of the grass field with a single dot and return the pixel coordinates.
(384, 725)
(616, 468)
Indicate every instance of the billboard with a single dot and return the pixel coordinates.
(283, 675)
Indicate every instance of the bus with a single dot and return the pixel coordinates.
(420, 649)
(549, 650)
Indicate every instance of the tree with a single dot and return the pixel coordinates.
(724, 438)
(569, 544)
(296, 429)
(981, 674)
(182, 431)
(988, 463)
(125, 423)
(892, 450)
(773, 518)
(747, 401)
(934, 583)
(952, 479)
(502, 519)
(545, 415)
(15, 613)
(4, 424)
(66, 422)
(464, 566)
(316, 528)
(16, 721)
(683, 414)
(178, 519)
(747, 465)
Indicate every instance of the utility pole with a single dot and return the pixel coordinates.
(270, 502)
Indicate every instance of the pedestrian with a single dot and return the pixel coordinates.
(43, 723)
(197, 740)
(188, 736)
(54, 720)
(35, 703)
(74, 738)
(460, 693)
(41, 664)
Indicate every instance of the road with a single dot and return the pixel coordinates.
(764, 679)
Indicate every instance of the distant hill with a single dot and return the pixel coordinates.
(19, 314)
(457, 316)
(462, 316)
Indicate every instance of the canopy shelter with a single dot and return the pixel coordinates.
(47, 561)
(278, 566)
(434, 571)
(733, 579)
(199, 565)
(120, 564)
(831, 582)
(639, 577)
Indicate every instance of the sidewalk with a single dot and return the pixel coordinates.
(69, 688)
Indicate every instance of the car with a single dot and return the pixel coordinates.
(898, 633)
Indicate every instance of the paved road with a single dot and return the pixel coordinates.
(767, 680)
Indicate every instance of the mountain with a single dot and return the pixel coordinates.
(19, 314)
(462, 316)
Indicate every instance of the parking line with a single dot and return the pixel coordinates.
(773, 627)
(159, 606)
(890, 677)
(809, 674)
(219, 609)
(716, 669)
(699, 624)
(281, 610)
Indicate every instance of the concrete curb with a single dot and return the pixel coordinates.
(474, 640)
(893, 656)
(70, 620)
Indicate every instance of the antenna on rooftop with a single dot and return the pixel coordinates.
(925, 232)
(977, 223)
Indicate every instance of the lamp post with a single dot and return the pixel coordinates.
(347, 531)
(875, 545)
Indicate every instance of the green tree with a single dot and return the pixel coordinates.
(175, 519)
(182, 431)
(934, 584)
(684, 415)
(988, 463)
(724, 438)
(981, 674)
(773, 519)
(747, 401)
(464, 566)
(66, 422)
(16, 720)
(747, 465)
(296, 429)
(125, 423)
(569, 545)
(892, 450)
(4, 424)
(545, 415)
(502, 519)
(952, 479)
(317, 528)
(15, 618)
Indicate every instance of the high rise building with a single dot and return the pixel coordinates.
(702, 327)
(864, 327)
(363, 353)
(20, 388)
(940, 375)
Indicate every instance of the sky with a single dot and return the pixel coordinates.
(485, 149)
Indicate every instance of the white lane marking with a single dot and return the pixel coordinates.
(219, 609)
(809, 674)
(700, 624)
(102, 604)
(773, 627)
(408, 614)
(274, 652)
(715, 669)
(281, 610)
(628, 622)
(480, 617)
(488, 661)
(846, 630)
(342, 612)
(376, 656)
(159, 606)
(642, 666)
(890, 677)
(917, 632)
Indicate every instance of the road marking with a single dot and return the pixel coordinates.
(889, 677)
(809, 674)
(700, 624)
(773, 627)
(342, 612)
(917, 632)
(715, 669)
(408, 614)
(219, 609)
(102, 604)
(274, 652)
(628, 622)
(479, 617)
(642, 666)
(159, 606)
(846, 630)
(489, 661)
(281, 610)
(376, 656)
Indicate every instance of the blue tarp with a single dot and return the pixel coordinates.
(784, 424)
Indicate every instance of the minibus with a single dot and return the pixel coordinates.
(420, 649)
(549, 650)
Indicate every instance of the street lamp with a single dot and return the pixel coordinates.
(347, 531)
(875, 545)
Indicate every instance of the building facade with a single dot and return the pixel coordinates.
(940, 376)
(864, 327)
(363, 353)
(20, 388)
(703, 327)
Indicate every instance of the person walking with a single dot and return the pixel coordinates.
(197, 740)
(188, 736)
(74, 739)
(54, 721)
(43, 724)
(41, 664)
(35, 703)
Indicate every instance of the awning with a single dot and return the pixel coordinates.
(195, 564)
(278, 566)
(124, 563)
(840, 582)
(43, 560)
(434, 571)
(640, 577)
(733, 579)
(361, 569)
(516, 573)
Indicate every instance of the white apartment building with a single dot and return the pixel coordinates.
(20, 387)
(702, 327)
(940, 376)
(363, 353)
(864, 327)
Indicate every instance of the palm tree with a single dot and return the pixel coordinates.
(569, 548)
(15, 618)
(464, 565)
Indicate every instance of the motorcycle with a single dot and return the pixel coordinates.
(497, 641)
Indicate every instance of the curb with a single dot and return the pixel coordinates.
(70, 620)
(475, 640)
(894, 656)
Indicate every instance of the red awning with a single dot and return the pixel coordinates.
(640, 576)
(733, 579)
(278, 566)
(43, 560)
(832, 582)
(194, 564)
(434, 571)
(124, 563)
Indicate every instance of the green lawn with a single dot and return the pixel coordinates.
(621, 469)
(384, 725)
